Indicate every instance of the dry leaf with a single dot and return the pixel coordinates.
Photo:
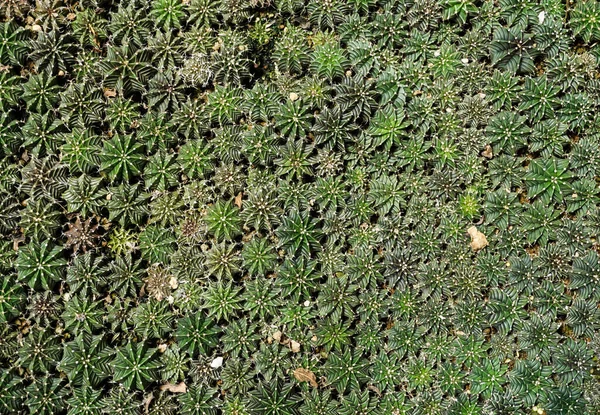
(478, 239)
(18, 240)
(146, 402)
(487, 153)
(294, 96)
(181, 387)
(374, 389)
(305, 375)
(285, 341)
(238, 200)
(533, 251)
(110, 93)
(162, 347)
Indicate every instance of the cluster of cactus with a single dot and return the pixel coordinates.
(299, 207)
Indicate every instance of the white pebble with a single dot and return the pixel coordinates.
(217, 362)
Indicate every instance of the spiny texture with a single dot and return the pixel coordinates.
(299, 207)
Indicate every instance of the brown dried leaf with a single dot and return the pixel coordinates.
(478, 239)
(533, 251)
(295, 346)
(181, 387)
(389, 324)
(146, 402)
(374, 389)
(305, 375)
(487, 153)
(110, 93)
(238, 200)
(18, 240)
